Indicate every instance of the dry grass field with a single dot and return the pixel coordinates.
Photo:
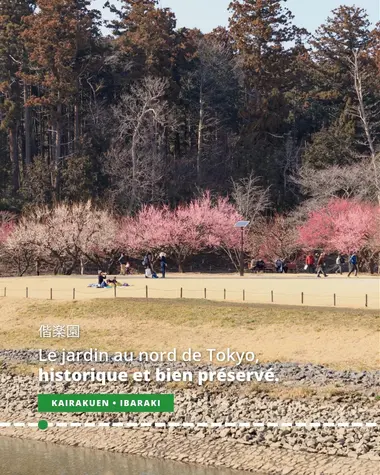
(288, 289)
(339, 338)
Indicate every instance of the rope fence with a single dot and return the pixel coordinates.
(233, 295)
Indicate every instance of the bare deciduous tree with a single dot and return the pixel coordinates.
(251, 199)
(350, 181)
(369, 115)
(136, 159)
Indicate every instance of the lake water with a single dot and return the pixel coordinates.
(26, 457)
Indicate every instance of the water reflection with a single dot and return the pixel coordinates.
(25, 457)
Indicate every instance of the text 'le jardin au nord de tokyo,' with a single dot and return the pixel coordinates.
(158, 375)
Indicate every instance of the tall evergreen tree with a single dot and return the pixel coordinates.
(59, 38)
(13, 63)
(146, 34)
(345, 33)
(261, 32)
(267, 45)
(347, 30)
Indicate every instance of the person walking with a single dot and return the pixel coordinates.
(310, 261)
(338, 264)
(163, 264)
(353, 264)
(123, 262)
(321, 265)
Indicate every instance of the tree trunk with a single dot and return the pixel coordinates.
(134, 173)
(200, 132)
(38, 265)
(181, 264)
(371, 265)
(363, 115)
(76, 127)
(13, 151)
(57, 154)
(27, 127)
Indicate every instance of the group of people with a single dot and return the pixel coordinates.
(314, 264)
(149, 268)
(318, 264)
(103, 282)
(125, 269)
(148, 261)
(260, 266)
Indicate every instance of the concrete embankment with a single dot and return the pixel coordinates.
(238, 441)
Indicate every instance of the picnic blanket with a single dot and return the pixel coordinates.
(97, 286)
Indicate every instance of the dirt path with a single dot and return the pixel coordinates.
(283, 289)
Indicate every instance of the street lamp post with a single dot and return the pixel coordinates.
(242, 225)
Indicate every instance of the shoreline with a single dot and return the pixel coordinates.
(261, 450)
(205, 451)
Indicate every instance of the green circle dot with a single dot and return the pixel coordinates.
(42, 424)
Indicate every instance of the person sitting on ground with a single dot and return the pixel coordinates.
(102, 276)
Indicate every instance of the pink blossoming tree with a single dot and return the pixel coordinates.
(182, 232)
(342, 226)
(7, 224)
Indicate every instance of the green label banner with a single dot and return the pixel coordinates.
(106, 403)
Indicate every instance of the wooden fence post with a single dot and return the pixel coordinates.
(26, 292)
(243, 295)
(205, 292)
(366, 300)
(334, 300)
(301, 297)
(74, 294)
(271, 296)
(146, 291)
(51, 294)
(225, 294)
(181, 292)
